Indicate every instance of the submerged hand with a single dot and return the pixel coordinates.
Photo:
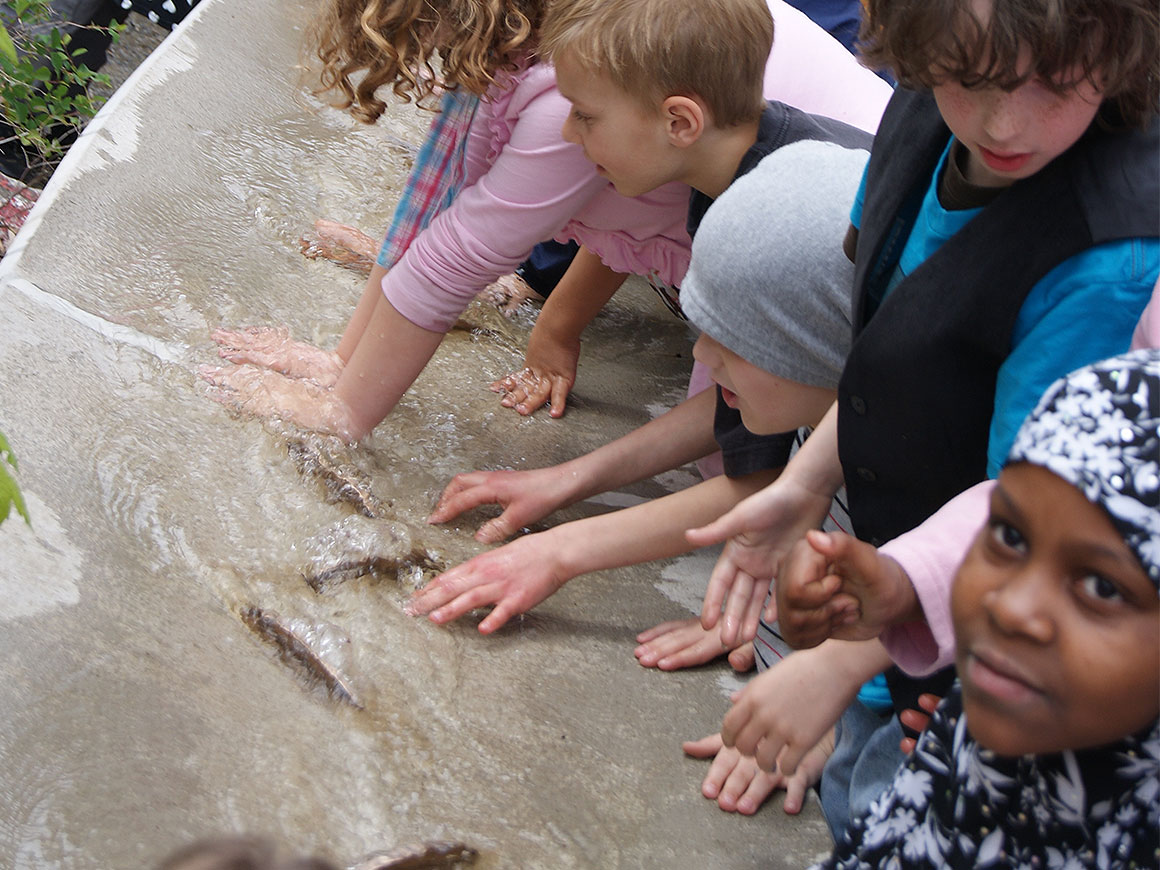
(265, 393)
(525, 496)
(683, 643)
(515, 578)
(271, 347)
(833, 585)
(345, 246)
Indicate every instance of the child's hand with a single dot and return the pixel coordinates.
(515, 578)
(525, 496)
(271, 347)
(917, 720)
(683, 643)
(739, 785)
(345, 246)
(783, 713)
(549, 373)
(833, 585)
(760, 530)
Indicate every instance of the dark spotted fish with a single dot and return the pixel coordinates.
(295, 647)
(419, 857)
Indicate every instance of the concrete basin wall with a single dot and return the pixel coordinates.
(139, 711)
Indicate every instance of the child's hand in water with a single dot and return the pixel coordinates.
(548, 375)
(345, 246)
(271, 347)
(833, 585)
(683, 643)
(739, 785)
(525, 496)
(514, 578)
(265, 393)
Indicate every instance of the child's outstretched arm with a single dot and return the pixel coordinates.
(783, 713)
(833, 585)
(519, 575)
(549, 371)
(761, 530)
(679, 436)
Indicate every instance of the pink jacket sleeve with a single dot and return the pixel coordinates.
(930, 555)
(533, 183)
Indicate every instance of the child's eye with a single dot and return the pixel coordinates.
(1095, 586)
(1007, 536)
(580, 117)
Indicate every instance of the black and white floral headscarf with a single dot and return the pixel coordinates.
(956, 804)
(1099, 429)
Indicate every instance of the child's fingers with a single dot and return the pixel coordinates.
(734, 627)
(535, 397)
(560, 388)
(929, 702)
(664, 628)
(795, 795)
(499, 529)
(743, 658)
(706, 747)
(466, 491)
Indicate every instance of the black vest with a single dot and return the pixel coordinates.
(917, 394)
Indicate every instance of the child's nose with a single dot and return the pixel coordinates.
(568, 131)
(1001, 118)
(704, 350)
(1021, 605)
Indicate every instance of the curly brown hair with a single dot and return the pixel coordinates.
(1113, 44)
(418, 47)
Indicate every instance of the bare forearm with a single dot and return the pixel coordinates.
(388, 356)
(816, 467)
(372, 292)
(677, 437)
(585, 288)
(653, 530)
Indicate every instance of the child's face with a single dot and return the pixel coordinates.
(1011, 135)
(767, 403)
(1057, 626)
(627, 142)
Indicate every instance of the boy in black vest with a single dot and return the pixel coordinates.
(1007, 233)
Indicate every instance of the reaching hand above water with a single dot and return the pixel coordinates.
(525, 496)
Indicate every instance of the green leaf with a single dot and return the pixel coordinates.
(7, 48)
(9, 492)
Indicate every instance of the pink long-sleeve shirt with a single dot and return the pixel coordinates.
(524, 183)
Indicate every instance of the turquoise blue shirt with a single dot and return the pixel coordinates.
(1106, 286)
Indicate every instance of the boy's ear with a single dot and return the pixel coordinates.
(685, 120)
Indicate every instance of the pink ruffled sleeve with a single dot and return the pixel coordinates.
(524, 184)
(930, 555)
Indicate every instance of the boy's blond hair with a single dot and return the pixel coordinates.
(714, 50)
(1111, 43)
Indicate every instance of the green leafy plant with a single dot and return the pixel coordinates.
(9, 492)
(43, 88)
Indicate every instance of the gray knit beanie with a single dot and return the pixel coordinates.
(768, 278)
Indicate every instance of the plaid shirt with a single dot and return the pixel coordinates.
(436, 177)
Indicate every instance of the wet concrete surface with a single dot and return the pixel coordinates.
(143, 704)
